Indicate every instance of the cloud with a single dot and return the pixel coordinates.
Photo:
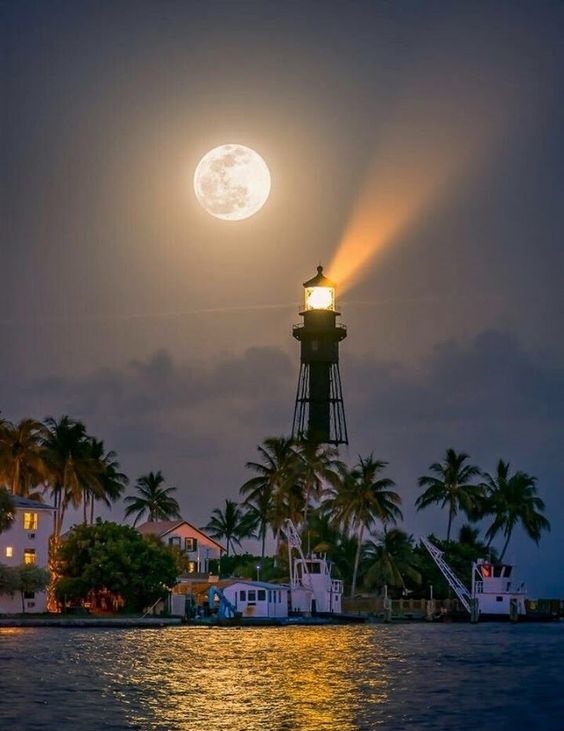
(200, 422)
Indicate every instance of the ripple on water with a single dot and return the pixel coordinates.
(295, 678)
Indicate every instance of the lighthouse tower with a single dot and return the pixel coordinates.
(319, 414)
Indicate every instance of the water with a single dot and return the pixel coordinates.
(393, 677)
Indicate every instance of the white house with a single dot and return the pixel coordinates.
(26, 542)
(257, 599)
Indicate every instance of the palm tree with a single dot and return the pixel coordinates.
(277, 480)
(231, 524)
(109, 484)
(153, 499)
(362, 498)
(21, 460)
(318, 468)
(258, 513)
(392, 560)
(451, 484)
(7, 510)
(513, 499)
(72, 472)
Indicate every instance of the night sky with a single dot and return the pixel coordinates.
(431, 129)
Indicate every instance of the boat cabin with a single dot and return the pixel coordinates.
(313, 590)
(497, 594)
(257, 599)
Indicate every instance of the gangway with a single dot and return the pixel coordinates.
(454, 582)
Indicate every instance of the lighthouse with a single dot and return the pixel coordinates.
(319, 413)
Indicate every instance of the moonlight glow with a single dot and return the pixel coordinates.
(232, 182)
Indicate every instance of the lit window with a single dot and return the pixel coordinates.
(29, 555)
(30, 521)
(190, 544)
(191, 567)
(9, 551)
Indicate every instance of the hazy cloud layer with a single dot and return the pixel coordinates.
(199, 423)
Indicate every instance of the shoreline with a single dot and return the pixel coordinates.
(91, 622)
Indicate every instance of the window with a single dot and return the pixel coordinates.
(252, 596)
(174, 541)
(30, 521)
(499, 598)
(29, 555)
(190, 544)
(261, 595)
(9, 551)
(191, 567)
(243, 596)
(29, 595)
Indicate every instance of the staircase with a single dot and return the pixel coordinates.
(454, 582)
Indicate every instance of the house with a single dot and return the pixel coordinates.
(257, 599)
(200, 550)
(26, 542)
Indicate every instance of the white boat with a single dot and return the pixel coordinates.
(313, 591)
(493, 595)
(495, 591)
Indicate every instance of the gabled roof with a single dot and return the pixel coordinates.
(162, 528)
(25, 502)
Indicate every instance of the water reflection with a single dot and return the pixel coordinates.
(296, 678)
(400, 677)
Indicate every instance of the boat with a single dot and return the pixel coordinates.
(313, 591)
(494, 594)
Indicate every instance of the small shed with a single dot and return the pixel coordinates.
(258, 599)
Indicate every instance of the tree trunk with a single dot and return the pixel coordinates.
(505, 546)
(450, 517)
(357, 559)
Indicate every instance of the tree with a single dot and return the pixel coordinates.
(108, 559)
(8, 579)
(72, 470)
(391, 561)
(7, 510)
(513, 500)
(318, 468)
(29, 579)
(451, 484)
(21, 457)
(231, 524)
(152, 499)
(109, 483)
(276, 481)
(362, 498)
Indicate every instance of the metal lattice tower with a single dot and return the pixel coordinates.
(319, 413)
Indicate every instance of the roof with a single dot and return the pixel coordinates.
(257, 584)
(320, 280)
(161, 528)
(25, 502)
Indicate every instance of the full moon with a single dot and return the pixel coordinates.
(232, 182)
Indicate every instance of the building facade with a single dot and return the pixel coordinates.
(26, 542)
(200, 550)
